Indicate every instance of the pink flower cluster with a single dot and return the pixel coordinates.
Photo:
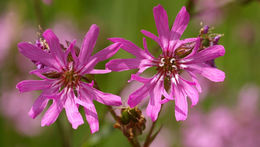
(63, 71)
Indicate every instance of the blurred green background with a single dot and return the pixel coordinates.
(238, 20)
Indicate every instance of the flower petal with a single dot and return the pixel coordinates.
(72, 111)
(181, 105)
(208, 72)
(151, 35)
(38, 106)
(106, 52)
(139, 79)
(146, 48)
(180, 24)
(195, 80)
(88, 44)
(31, 85)
(101, 97)
(209, 53)
(40, 72)
(137, 96)
(161, 21)
(100, 56)
(36, 54)
(71, 50)
(92, 117)
(99, 71)
(53, 112)
(191, 92)
(130, 47)
(123, 64)
(154, 105)
(90, 110)
(55, 46)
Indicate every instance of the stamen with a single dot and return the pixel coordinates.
(161, 64)
(172, 60)
(162, 60)
(175, 67)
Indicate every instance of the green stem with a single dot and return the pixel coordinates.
(148, 138)
(65, 139)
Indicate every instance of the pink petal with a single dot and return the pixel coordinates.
(191, 92)
(154, 105)
(213, 74)
(195, 80)
(107, 98)
(139, 79)
(92, 117)
(55, 46)
(123, 64)
(180, 24)
(130, 47)
(88, 43)
(208, 72)
(31, 85)
(99, 71)
(106, 52)
(90, 111)
(137, 96)
(40, 72)
(72, 111)
(209, 53)
(53, 112)
(101, 97)
(146, 48)
(73, 53)
(36, 54)
(151, 35)
(181, 105)
(161, 21)
(38, 106)
(100, 56)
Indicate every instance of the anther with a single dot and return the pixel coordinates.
(175, 67)
(172, 60)
(161, 64)
(162, 60)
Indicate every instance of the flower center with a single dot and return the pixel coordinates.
(70, 79)
(168, 66)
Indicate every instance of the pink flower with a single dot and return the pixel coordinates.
(169, 66)
(62, 79)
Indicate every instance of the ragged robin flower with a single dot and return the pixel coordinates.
(177, 57)
(63, 78)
